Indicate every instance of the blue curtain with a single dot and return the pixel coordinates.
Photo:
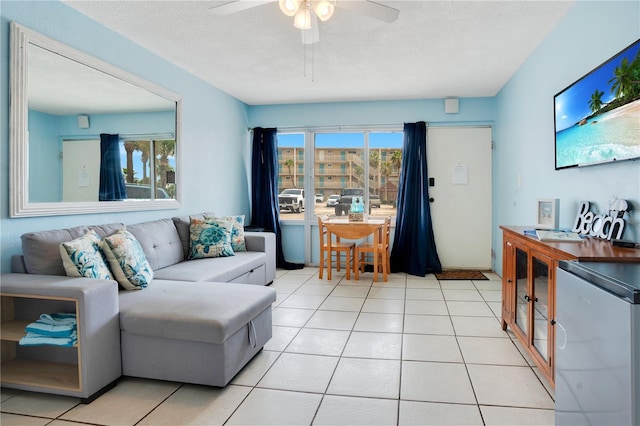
(112, 186)
(414, 246)
(264, 195)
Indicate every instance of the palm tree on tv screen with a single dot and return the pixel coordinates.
(596, 101)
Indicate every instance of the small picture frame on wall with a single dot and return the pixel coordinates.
(548, 213)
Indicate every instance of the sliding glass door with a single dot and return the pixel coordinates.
(320, 172)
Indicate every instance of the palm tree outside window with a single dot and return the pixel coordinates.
(150, 168)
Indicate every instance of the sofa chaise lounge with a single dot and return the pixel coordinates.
(194, 323)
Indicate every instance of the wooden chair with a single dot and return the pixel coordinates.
(337, 246)
(382, 251)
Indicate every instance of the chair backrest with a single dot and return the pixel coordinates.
(386, 232)
(322, 229)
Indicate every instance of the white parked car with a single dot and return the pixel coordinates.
(319, 198)
(333, 200)
(291, 199)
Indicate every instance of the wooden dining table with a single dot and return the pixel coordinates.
(350, 230)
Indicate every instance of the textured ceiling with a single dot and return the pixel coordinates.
(435, 49)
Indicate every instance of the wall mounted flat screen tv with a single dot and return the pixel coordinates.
(597, 118)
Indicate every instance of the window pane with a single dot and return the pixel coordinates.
(139, 158)
(136, 168)
(165, 152)
(339, 171)
(291, 175)
(136, 161)
(385, 158)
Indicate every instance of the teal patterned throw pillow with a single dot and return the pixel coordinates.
(128, 261)
(237, 232)
(82, 257)
(210, 237)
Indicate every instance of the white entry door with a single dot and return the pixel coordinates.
(459, 162)
(80, 170)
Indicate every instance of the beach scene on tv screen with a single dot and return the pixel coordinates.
(598, 117)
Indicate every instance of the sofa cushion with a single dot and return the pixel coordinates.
(182, 224)
(82, 257)
(127, 260)
(210, 237)
(222, 269)
(41, 250)
(160, 242)
(108, 229)
(204, 312)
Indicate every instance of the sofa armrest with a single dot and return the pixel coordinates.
(97, 315)
(265, 242)
(17, 264)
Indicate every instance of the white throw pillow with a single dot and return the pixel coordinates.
(127, 260)
(82, 257)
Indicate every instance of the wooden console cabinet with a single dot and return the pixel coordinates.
(529, 284)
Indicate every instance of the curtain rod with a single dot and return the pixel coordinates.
(162, 135)
(392, 126)
(354, 127)
(146, 135)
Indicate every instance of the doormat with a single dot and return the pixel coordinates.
(461, 275)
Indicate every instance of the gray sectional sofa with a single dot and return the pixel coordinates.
(194, 323)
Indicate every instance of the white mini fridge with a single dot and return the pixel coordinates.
(597, 376)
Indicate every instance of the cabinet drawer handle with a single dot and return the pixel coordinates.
(527, 298)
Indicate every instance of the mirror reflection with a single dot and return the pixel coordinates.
(71, 108)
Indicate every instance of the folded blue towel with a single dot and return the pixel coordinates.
(48, 330)
(57, 319)
(73, 336)
(34, 339)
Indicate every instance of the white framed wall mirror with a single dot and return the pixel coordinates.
(86, 136)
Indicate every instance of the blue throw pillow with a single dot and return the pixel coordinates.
(210, 237)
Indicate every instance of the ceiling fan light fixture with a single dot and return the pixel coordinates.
(324, 9)
(289, 7)
(302, 20)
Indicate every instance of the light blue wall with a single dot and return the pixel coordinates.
(590, 33)
(215, 144)
(130, 123)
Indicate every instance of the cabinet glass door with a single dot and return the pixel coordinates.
(521, 275)
(541, 307)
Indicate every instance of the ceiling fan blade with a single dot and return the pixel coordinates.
(371, 9)
(238, 6)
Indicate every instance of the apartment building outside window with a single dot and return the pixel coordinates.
(368, 160)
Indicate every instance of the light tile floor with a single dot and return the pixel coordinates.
(411, 351)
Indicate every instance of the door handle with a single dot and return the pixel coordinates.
(431, 200)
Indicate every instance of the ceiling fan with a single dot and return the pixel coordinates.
(306, 13)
